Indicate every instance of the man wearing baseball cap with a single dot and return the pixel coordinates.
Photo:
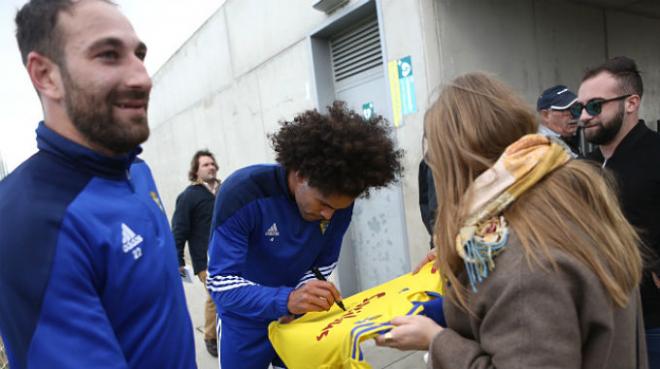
(556, 120)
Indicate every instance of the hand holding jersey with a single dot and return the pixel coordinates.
(430, 256)
(414, 332)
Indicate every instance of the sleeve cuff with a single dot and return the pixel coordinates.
(451, 350)
(282, 300)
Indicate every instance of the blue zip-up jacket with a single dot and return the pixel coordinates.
(88, 270)
(261, 248)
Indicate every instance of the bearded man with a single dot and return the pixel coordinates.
(608, 106)
(88, 268)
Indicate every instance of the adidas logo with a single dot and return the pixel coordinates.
(272, 232)
(130, 240)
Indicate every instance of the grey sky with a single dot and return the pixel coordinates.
(163, 25)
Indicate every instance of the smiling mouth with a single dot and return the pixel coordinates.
(131, 106)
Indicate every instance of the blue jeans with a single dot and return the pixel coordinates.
(653, 347)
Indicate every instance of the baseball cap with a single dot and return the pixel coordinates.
(557, 98)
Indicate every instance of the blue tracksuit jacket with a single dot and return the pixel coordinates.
(260, 250)
(88, 270)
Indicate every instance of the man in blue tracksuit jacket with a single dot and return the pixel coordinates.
(88, 270)
(273, 223)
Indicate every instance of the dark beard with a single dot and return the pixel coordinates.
(93, 117)
(606, 133)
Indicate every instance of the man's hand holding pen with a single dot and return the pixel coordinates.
(314, 295)
(320, 277)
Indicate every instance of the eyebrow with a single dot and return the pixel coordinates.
(115, 42)
(328, 205)
(109, 41)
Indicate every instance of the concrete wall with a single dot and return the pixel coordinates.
(249, 66)
(243, 71)
(637, 37)
(404, 36)
(3, 169)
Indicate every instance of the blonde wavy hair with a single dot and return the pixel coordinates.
(574, 209)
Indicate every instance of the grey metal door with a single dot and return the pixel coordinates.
(377, 235)
(375, 248)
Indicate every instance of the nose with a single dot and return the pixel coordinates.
(138, 78)
(327, 213)
(584, 116)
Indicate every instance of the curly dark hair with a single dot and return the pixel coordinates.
(340, 153)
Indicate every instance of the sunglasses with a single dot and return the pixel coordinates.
(593, 106)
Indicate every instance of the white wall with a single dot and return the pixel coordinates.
(639, 38)
(533, 45)
(243, 71)
(404, 36)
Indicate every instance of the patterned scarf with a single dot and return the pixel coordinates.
(485, 232)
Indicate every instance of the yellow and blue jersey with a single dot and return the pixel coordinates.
(324, 340)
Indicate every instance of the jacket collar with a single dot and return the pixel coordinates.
(631, 139)
(543, 130)
(282, 177)
(83, 158)
(212, 190)
(629, 142)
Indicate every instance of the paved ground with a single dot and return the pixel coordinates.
(378, 357)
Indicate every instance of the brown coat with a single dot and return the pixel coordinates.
(532, 318)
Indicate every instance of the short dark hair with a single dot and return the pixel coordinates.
(36, 28)
(194, 163)
(340, 153)
(625, 70)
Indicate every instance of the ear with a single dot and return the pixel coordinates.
(299, 178)
(544, 114)
(45, 75)
(632, 103)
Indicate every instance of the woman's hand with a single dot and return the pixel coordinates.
(413, 332)
(430, 256)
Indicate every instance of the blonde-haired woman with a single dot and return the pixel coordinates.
(541, 266)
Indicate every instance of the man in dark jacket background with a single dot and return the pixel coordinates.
(191, 223)
(608, 106)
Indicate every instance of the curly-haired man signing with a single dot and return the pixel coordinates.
(273, 224)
